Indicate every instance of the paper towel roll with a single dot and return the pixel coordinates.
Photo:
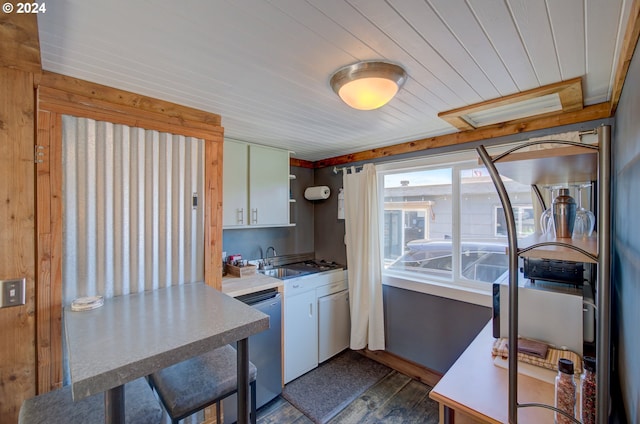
(317, 193)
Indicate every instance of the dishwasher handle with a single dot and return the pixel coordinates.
(257, 297)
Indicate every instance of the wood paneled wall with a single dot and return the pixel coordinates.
(17, 243)
(19, 62)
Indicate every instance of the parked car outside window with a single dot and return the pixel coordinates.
(480, 260)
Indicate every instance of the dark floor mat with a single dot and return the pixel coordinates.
(323, 392)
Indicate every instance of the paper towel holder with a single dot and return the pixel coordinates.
(317, 193)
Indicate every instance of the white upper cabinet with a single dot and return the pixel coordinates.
(235, 180)
(268, 186)
(256, 186)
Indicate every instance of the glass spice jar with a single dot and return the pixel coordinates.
(565, 391)
(588, 391)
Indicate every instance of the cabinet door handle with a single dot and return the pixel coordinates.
(310, 309)
(240, 215)
(254, 216)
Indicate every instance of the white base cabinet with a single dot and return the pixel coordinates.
(301, 335)
(334, 324)
(302, 296)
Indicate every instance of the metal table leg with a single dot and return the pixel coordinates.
(243, 381)
(114, 405)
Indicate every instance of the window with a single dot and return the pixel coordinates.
(433, 208)
(524, 216)
(409, 210)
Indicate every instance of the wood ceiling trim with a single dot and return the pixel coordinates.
(19, 42)
(629, 43)
(589, 113)
(301, 163)
(101, 94)
(570, 93)
(63, 102)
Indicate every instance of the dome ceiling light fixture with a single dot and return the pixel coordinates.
(368, 85)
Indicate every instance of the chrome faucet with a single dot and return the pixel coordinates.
(266, 255)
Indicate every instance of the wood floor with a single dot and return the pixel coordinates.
(395, 399)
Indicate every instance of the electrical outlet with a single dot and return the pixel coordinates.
(12, 292)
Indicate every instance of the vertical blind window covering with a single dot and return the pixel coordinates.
(129, 222)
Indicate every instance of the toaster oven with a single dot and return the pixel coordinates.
(566, 272)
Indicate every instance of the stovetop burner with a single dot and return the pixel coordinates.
(313, 266)
(322, 264)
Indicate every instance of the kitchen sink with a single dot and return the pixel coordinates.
(282, 272)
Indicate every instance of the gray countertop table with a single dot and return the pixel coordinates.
(135, 335)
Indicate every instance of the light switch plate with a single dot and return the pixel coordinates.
(12, 292)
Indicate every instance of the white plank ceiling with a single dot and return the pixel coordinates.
(265, 65)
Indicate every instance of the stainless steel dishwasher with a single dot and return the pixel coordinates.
(265, 351)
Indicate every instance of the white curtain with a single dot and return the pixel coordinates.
(364, 267)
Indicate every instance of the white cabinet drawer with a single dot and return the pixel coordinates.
(298, 285)
(328, 289)
(313, 281)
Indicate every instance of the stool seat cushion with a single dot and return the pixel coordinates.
(191, 385)
(140, 405)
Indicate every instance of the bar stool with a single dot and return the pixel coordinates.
(190, 386)
(57, 406)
